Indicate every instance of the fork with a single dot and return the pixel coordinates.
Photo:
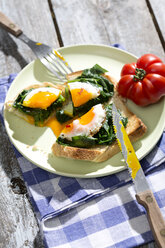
(48, 56)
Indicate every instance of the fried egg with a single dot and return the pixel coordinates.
(86, 125)
(82, 92)
(41, 97)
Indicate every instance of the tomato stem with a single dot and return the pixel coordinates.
(139, 74)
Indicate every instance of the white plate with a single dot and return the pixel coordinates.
(25, 136)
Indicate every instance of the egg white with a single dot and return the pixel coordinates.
(89, 129)
(95, 91)
(54, 91)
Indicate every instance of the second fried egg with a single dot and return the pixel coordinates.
(88, 124)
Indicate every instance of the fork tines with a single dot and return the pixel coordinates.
(57, 65)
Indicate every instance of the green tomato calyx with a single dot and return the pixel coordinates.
(139, 74)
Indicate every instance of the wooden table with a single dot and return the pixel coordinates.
(138, 25)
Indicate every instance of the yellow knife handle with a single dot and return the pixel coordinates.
(8, 25)
(155, 218)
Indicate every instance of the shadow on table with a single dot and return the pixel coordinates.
(10, 48)
(38, 241)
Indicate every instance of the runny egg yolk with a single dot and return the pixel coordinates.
(83, 120)
(52, 123)
(30, 119)
(86, 125)
(55, 126)
(41, 100)
(80, 96)
(82, 92)
(41, 97)
(87, 118)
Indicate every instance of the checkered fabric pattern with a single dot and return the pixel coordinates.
(98, 212)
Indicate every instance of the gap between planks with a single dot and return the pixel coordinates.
(59, 37)
(156, 24)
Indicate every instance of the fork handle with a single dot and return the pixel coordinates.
(9, 26)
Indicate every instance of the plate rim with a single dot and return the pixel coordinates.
(53, 170)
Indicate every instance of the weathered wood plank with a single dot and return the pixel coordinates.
(158, 8)
(18, 225)
(106, 22)
(34, 18)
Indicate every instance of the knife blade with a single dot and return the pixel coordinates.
(144, 195)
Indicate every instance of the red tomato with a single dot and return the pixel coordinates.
(144, 81)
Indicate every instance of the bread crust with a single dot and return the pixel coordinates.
(135, 130)
(101, 153)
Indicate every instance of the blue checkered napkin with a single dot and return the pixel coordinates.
(114, 220)
(52, 195)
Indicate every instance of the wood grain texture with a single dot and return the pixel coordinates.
(34, 18)
(158, 8)
(18, 225)
(107, 22)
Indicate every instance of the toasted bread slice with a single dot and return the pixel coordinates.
(24, 116)
(135, 130)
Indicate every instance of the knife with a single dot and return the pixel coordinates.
(144, 195)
